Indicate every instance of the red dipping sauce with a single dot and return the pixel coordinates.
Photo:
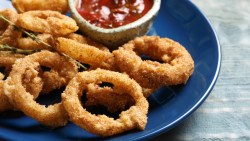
(113, 13)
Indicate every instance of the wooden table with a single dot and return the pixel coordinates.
(225, 115)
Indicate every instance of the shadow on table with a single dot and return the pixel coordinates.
(173, 134)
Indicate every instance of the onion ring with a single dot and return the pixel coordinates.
(134, 117)
(62, 71)
(85, 53)
(47, 21)
(28, 5)
(8, 34)
(53, 115)
(4, 102)
(176, 68)
(107, 97)
(85, 40)
(8, 14)
(29, 44)
(7, 59)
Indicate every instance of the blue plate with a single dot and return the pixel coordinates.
(180, 20)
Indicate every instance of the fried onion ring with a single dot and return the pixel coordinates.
(62, 71)
(4, 102)
(8, 14)
(47, 21)
(85, 40)
(85, 53)
(134, 117)
(7, 59)
(28, 43)
(30, 5)
(53, 115)
(8, 34)
(107, 97)
(176, 68)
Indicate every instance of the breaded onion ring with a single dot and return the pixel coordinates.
(29, 44)
(50, 22)
(61, 72)
(176, 68)
(30, 5)
(85, 53)
(7, 59)
(53, 115)
(8, 34)
(85, 40)
(4, 102)
(8, 14)
(134, 117)
(107, 97)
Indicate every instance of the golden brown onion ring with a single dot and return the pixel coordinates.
(29, 44)
(8, 34)
(53, 115)
(85, 53)
(176, 68)
(85, 40)
(47, 21)
(107, 97)
(30, 5)
(8, 14)
(134, 117)
(61, 72)
(7, 59)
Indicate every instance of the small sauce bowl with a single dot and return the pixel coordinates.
(114, 37)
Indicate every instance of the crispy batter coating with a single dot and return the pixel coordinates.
(30, 5)
(176, 67)
(8, 34)
(4, 102)
(28, 43)
(85, 53)
(27, 70)
(10, 15)
(46, 21)
(7, 59)
(107, 97)
(85, 40)
(61, 72)
(134, 117)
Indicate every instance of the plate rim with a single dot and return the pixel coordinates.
(159, 131)
(205, 95)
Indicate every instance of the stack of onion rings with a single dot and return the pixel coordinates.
(134, 117)
(43, 72)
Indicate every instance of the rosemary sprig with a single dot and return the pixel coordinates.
(16, 50)
(36, 39)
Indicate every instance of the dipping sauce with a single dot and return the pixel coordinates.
(113, 13)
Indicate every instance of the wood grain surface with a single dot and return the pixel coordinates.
(225, 115)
